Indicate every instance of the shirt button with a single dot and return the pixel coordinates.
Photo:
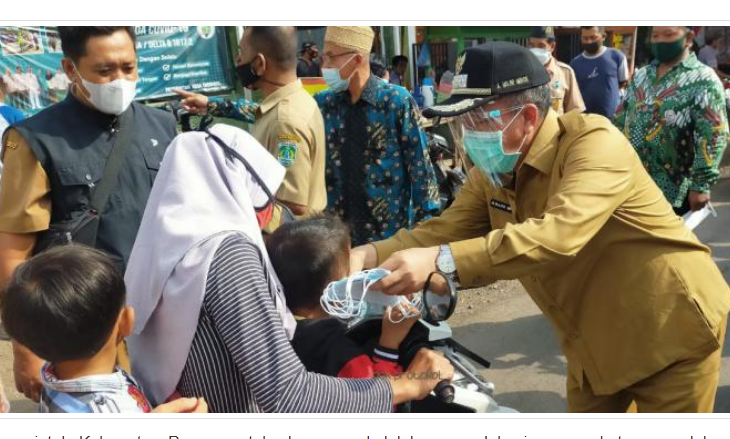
(88, 177)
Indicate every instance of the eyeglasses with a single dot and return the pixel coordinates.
(328, 58)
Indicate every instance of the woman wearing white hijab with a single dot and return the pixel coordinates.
(211, 316)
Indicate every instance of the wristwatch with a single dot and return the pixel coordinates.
(445, 263)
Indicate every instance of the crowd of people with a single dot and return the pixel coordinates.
(198, 260)
(34, 91)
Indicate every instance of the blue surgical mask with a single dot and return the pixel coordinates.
(486, 151)
(333, 79)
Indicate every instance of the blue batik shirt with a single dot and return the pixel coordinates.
(240, 109)
(379, 176)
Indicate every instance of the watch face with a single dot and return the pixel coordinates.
(446, 264)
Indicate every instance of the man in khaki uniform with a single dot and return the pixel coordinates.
(52, 161)
(563, 204)
(564, 89)
(288, 122)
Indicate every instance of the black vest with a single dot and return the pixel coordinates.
(72, 142)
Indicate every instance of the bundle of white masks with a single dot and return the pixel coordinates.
(352, 299)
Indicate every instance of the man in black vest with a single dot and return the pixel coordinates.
(54, 160)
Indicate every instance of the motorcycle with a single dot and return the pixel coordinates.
(450, 176)
(468, 391)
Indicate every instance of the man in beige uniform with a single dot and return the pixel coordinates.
(288, 122)
(564, 204)
(564, 89)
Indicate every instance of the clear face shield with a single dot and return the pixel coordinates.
(479, 135)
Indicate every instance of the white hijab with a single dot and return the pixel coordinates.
(201, 196)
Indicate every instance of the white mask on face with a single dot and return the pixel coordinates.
(110, 98)
(542, 55)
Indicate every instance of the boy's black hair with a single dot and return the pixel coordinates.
(74, 38)
(63, 304)
(307, 255)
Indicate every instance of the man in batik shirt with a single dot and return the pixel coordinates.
(674, 115)
(378, 174)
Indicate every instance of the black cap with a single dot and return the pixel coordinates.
(542, 32)
(488, 71)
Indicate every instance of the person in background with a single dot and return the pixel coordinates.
(288, 121)
(11, 88)
(379, 175)
(377, 67)
(564, 89)
(708, 55)
(34, 89)
(601, 72)
(8, 114)
(59, 86)
(20, 84)
(46, 81)
(399, 65)
(674, 115)
(307, 65)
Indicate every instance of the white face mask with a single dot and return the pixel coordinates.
(351, 299)
(110, 98)
(541, 54)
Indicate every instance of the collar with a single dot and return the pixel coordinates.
(112, 382)
(370, 93)
(691, 63)
(600, 53)
(91, 114)
(552, 65)
(541, 155)
(274, 98)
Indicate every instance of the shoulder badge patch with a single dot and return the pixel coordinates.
(287, 153)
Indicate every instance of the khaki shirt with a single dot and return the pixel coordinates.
(290, 126)
(628, 288)
(564, 89)
(25, 198)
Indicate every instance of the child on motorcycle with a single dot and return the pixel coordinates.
(307, 255)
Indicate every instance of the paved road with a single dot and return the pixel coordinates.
(502, 324)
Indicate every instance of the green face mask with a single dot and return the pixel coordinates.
(668, 52)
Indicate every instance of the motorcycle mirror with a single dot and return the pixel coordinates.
(439, 298)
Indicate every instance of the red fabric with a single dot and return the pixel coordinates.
(363, 366)
(264, 216)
